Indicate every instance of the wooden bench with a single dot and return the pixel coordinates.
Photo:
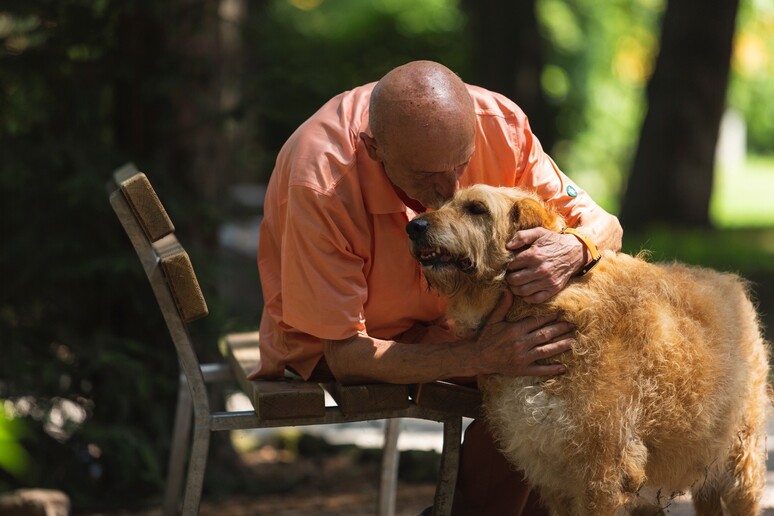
(280, 403)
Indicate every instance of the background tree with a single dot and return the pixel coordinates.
(507, 57)
(86, 370)
(672, 174)
(333, 46)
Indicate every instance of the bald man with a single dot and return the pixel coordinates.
(344, 297)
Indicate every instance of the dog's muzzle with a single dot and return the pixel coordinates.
(430, 255)
(417, 228)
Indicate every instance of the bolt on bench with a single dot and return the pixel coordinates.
(277, 403)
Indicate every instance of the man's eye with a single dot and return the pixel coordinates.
(476, 208)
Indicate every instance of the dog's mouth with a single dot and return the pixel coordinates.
(437, 257)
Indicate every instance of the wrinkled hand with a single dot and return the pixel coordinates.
(543, 262)
(512, 348)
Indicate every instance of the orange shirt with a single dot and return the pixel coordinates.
(334, 257)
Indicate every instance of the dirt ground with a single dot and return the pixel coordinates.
(411, 501)
(336, 484)
(326, 485)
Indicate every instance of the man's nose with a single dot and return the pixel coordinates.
(448, 185)
(417, 227)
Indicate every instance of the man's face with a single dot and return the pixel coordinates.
(427, 171)
(431, 188)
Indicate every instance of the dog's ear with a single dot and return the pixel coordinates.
(527, 213)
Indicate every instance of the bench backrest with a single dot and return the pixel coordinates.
(167, 266)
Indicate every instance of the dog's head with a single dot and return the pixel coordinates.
(463, 242)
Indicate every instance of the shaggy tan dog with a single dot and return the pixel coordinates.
(665, 390)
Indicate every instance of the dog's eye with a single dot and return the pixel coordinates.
(476, 208)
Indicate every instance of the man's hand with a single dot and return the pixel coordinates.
(543, 262)
(513, 348)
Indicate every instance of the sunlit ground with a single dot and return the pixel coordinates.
(744, 196)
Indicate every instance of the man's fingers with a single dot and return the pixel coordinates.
(522, 287)
(538, 297)
(523, 258)
(501, 311)
(559, 345)
(552, 333)
(524, 238)
(532, 323)
(545, 370)
(533, 291)
(548, 351)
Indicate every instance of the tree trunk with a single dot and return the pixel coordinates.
(172, 102)
(137, 111)
(197, 149)
(672, 175)
(507, 58)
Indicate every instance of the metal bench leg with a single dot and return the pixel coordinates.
(196, 467)
(385, 503)
(177, 456)
(450, 461)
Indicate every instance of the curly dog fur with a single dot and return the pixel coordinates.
(665, 390)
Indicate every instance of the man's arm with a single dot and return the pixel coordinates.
(544, 261)
(603, 229)
(501, 347)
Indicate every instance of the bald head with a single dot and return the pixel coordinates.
(419, 102)
(423, 128)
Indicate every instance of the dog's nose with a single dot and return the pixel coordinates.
(416, 228)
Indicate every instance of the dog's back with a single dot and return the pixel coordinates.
(666, 387)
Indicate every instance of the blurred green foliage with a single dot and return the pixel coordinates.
(746, 251)
(87, 365)
(750, 88)
(88, 371)
(300, 53)
(599, 58)
(14, 459)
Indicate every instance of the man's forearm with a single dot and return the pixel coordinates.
(511, 348)
(363, 358)
(603, 228)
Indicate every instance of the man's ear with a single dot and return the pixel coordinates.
(372, 148)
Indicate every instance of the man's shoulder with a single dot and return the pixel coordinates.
(491, 103)
(324, 148)
(349, 108)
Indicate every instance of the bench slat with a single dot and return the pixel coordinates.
(144, 202)
(448, 398)
(184, 286)
(287, 399)
(272, 399)
(356, 399)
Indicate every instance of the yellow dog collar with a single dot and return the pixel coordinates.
(586, 241)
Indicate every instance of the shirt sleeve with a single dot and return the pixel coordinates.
(538, 172)
(323, 285)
